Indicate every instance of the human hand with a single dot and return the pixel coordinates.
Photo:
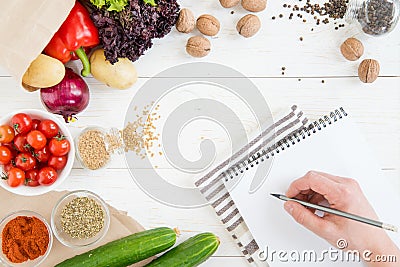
(346, 195)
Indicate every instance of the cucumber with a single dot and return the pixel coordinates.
(125, 251)
(190, 253)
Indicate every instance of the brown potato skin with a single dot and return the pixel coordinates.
(44, 72)
(120, 75)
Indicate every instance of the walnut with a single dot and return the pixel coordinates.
(208, 25)
(198, 46)
(229, 3)
(368, 70)
(254, 5)
(352, 49)
(186, 21)
(248, 25)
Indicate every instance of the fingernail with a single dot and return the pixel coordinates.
(288, 207)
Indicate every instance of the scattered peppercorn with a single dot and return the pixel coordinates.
(301, 38)
(323, 81)
(333, 9)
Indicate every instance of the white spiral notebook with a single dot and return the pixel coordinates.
(332, 145)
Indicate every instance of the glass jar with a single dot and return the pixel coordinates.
(375, 17)
(95, 146)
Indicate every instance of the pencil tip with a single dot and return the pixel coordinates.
(275, 195)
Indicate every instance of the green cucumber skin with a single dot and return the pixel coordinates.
(190, 253)
(125, 251)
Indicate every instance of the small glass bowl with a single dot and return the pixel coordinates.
(63, 237)
(104, 132)
(29, 263)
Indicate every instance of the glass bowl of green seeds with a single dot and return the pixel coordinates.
(80, 219)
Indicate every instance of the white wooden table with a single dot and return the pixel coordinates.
(375, 107)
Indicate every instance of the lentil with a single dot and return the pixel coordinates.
(114, 141)
(82, 218)
(95, 147)
(92, 149)
(139, 136)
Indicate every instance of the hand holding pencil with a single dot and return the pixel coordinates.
(343, 194)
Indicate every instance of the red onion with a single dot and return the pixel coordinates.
(67, 98)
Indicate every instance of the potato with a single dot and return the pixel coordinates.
(120, 75)
(43, 72)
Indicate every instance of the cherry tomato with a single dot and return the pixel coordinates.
(6, 134)
(49, 128)
(42, 155)
(22, 123)
(59, 146)
(58, 163)
(25, 161)
(12, 148)
(15, 177)
(20, 143)
(47, 176)
(8, 167)
(36, 139)
(35, 124)
(31, 178)
(5, 155)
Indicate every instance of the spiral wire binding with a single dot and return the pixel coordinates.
(284, 143)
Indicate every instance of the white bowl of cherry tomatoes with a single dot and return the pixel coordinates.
(36, 152)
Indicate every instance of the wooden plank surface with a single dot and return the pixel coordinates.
(374, 107)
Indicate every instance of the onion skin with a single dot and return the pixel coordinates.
(68, 98)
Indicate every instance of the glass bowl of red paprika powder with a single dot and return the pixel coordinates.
(26, 239)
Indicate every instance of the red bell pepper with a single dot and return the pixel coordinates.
(77, 31)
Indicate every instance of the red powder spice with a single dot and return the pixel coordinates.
(24, 238)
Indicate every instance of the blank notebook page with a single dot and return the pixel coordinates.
(337, 149)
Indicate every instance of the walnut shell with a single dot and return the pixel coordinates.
(248, 25)
(352, 49)
(254, 5)
(368, 71)
(186, 21)
(208, 25)
(229, 3)
(198, 46)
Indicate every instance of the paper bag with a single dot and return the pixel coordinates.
(26, 28)
(121, 225)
